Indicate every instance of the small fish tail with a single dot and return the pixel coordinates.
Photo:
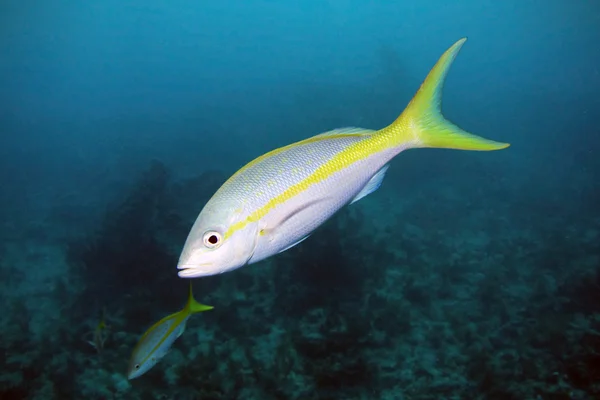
(422, 124)
(193, 306)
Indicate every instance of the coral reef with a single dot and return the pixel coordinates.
(440, 299)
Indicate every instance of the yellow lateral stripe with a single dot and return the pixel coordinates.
(421, 124)
(289, 146)
(355, 152)
(165, 336)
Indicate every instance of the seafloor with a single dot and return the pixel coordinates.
(424, 290)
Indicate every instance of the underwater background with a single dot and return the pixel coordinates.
(466, 276)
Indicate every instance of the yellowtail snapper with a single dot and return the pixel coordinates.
(100, 334)
(156, 341)
(276, 201)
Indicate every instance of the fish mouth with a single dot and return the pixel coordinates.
(194, 270)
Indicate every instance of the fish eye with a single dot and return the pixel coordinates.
(136, 366)
(212, 239)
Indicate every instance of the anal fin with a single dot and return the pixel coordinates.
(373, 184)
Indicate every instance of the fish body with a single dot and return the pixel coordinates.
(100, 334)
(280, 198)
(156, 341)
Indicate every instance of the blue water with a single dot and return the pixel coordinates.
(466, 276)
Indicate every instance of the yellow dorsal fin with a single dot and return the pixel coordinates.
(422, 123)
(347, 131)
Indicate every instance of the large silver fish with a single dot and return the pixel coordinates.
(280, 198)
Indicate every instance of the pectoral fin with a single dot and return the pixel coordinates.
(283, 226)
(295, 243)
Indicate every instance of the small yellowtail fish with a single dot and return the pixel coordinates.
(276, 201)
(100, 334)
(157, 340)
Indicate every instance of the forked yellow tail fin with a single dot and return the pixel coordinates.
(422, 123)
(193, 306)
